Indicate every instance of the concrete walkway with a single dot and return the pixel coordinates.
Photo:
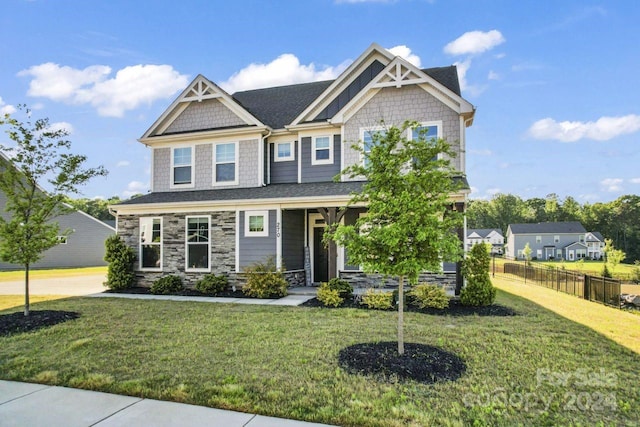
(36, 405)
(289, 300)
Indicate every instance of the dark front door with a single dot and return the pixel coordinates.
(320, 257)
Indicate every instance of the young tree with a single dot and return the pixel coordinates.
(40, 152)
(410, 226)
(527, 253)
(613, 256)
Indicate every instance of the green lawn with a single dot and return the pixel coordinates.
(11, 276)
(625, 271)
(282, 361)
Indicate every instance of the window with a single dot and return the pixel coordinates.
(556, 239)
(225, 157)
(520, 253)
(62, 240)
(558, 253)
(182, 171)
(367, 142)
(538, 239)
(322, 151)
(429, 131)
(151, 243)
(539, 253)
(581, 239)
(256, 224)
(198, 243)
(284, 152)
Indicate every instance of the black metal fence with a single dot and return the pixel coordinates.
(592, 288)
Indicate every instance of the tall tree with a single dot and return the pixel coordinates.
(409, 227)
(39, 153)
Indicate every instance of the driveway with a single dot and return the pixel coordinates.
(80, 285)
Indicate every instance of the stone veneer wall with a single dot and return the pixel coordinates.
(223, 225)
(359, 279)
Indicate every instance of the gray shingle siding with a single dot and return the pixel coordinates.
(293, 239)
(283, 172)
(319, 173)
(257, 249)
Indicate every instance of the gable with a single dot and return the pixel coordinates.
(205, 115)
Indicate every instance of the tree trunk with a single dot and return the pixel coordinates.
(26, 290)
(401, 315)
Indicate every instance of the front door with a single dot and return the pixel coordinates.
(320, 256)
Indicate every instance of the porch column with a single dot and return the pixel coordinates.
(332, 217)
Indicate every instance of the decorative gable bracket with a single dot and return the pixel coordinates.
(200, 91)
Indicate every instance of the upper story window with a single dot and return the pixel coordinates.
(368, 141)
(256, 224)
(198, 243)
(556, 239)
(581, 238)
(225, 163)
(428, 130)
(322, 151)
(538, 239)
(182, 166)
(150, 243)
(284, 152)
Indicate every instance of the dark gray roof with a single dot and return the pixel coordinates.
(482, 232)
(272, 191)
(279, 106)
(597, 235)
(569, 227)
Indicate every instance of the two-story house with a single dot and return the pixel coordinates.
(553, 240)
(239, 177)
(492, 236)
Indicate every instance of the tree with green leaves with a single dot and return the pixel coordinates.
(527, 253)
(613, 256)
(39, 153)
(479, 290)
(410, 226)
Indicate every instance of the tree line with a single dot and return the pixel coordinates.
(618, 220)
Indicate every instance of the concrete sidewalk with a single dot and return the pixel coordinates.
(289, 300)
(36, 405)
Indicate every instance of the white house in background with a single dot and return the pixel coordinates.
(595, 245)
(486, 235)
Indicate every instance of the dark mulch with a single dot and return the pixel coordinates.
(185, 292)
(420, 362)
(455, 309)
(18, 322)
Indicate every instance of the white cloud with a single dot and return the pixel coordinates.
(635, 180)
(474, 42)
(493, 75)
(284, 70)
(58, 126)
(135, 187)
(611, 184)
(131, 86)
(6, 108)
(123, 163)
(463, 67)
(405, 53)
(605, 128)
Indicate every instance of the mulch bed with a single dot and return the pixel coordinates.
(420, 362)
(18, 322)
(455, 309)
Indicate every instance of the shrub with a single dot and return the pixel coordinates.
(167, 285)
(606, 272)
(120, 257)
(479, 291)
(264, 280)
(342, 286)
(427, 295)
(379, 300)
(212, 284)
(329, 297)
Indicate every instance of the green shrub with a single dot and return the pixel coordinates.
(264, 280)
(344, 289)
(329, 297)
(212, 284)
(120, 257)
(427, 295)
(379, 300)
(606, 272)
(479, 291)
(167, 285)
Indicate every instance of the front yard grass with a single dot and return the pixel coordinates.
(536, 368)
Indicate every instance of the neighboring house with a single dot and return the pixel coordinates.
(82, 248)
(493, 236)
(553, 240)
(240, 177)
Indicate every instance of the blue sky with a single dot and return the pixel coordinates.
(554, 82)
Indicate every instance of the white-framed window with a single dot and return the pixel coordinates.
(62, 240)
(182, 167)
(556, 239)
(539, 253)
(581, 238)
(520, 253)
(225, 163)
(538, 239)
(322, 150)
(256, 223)
(151, 243)
(429, 130)
(558, 253)
(581, 253)
(198, 243)
(284, 151)
(367, 138)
